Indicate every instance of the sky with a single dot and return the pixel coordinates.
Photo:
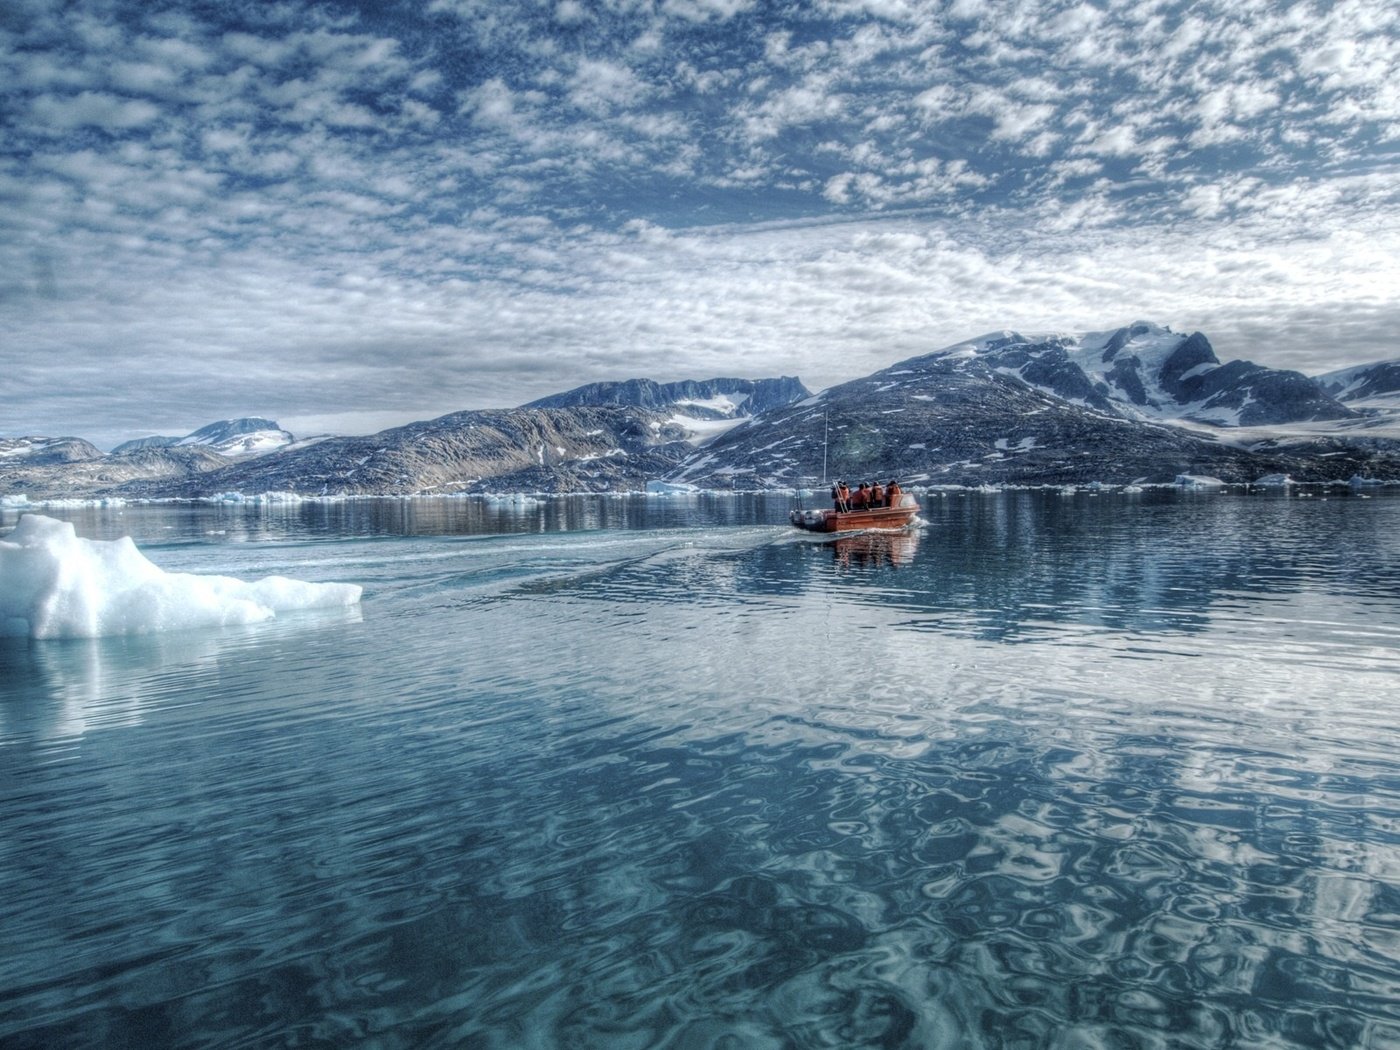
(345, 216)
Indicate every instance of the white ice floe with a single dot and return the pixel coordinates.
(1197, 482)
(1273, 481)
(258, 498)
(671, 488)
(54, 584)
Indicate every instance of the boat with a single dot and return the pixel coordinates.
(896, 517)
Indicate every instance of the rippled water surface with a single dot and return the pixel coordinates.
(1089, 771)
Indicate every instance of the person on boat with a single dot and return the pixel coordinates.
(843, 496)
(862, 496)
(877, 495)
(894, 493)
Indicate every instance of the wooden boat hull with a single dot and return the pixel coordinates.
(856, 520)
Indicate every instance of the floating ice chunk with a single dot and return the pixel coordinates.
(512, 499)
(14, 502)
(1273, 481)
(265, 498)
(54, 584)
(1198, 481)
(670, 488)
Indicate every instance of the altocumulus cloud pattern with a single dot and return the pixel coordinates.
(348, 215)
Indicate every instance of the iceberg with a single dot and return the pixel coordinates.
(1198, 482)
(54, 584)
(259, 499)
(671, 488)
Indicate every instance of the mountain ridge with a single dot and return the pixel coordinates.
(1147, 371)
(245, 435)
(722, 398)
(1139, 403)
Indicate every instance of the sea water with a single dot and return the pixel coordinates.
(1100, 770)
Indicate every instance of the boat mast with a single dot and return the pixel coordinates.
(826, 432)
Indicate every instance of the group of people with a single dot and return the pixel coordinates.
(867, 497)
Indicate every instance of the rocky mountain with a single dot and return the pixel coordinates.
(1140, 403)
(1365, 387)
(1137, 404)
(250, 435)
(699, 399)
(104, 475)
(58, 468)
(154, 441)
(1147, 372)
(41, 451)
(610, 436)
(523, 449)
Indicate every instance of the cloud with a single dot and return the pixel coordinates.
(600, 86)
(705, 10)
(570, 13)
(282, 206)
(802, 104)
(828, 302)
(92, 109)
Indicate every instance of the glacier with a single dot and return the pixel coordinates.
(55, 584)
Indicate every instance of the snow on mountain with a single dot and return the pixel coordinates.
(72, 467)
(247, 436)
(703, 408)
(605, 448)
(99, 474)
(240, 437)
(46, 450)
(1365, 386)
(1134, 404)
(711, 398)
(136, 444)
(1148, 372)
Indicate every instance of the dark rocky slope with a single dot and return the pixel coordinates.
(556, 450)
(938, 420)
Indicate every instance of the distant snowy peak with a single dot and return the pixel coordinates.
(41, 450)
(1146, 372)
(240, 437)
(136, 444)
(1375, 385)
(248, 436)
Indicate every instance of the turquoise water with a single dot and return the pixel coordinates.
(1089, 771)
